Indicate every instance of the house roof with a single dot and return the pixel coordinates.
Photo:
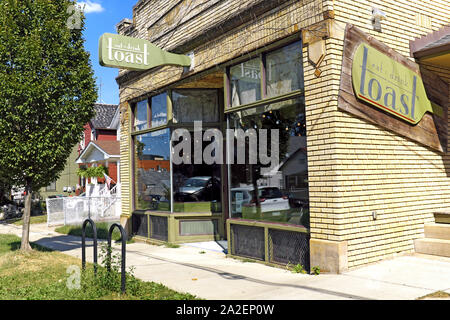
(109, 149)
(432, 43)
(104, 115)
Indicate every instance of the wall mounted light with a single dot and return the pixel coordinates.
(377, 16)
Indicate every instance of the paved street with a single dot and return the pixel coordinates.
(211, 275)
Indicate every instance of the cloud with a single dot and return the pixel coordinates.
(90, 7)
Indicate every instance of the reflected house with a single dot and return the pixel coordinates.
(154, 178)
(340, 195)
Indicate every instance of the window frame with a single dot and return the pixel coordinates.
(170, 125)
(229, 109)
(50, 188)
(149, 114)
(261, 54)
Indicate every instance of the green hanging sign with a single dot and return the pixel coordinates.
(117, 51)
(389, 85)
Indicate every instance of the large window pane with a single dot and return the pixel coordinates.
(197, 187)
(277, 191)
(284, 70)
(195, 105)
(245, 82)
(159, 110)
(141, 116)
(152, 169)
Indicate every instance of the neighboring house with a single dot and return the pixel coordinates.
(101, 132)
(68, 181)
(100, 144)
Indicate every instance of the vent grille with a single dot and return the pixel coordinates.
(159, 228)
(247, 241)
(194, 228)
(140, 225)
(289, 247)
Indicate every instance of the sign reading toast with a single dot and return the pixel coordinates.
(117, 51)
(390, 90)
(387, 84)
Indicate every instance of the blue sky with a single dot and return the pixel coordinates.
(102, 16)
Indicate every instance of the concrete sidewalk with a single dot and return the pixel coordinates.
(210, 275)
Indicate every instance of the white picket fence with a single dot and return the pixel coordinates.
(74, 210)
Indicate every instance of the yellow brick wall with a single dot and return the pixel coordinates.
(356, 167)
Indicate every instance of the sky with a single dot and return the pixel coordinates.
(101, 17)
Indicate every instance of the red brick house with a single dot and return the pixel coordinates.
(101, 143)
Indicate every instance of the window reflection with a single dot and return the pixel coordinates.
(193, 105)
(278, 193)
(141, 116)
(152, 151)
(197, 187)
(245, 82)
(284, 70)
(159, 110)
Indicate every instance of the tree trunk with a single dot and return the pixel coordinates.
(25, 244)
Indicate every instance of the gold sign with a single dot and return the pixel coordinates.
(387, 84)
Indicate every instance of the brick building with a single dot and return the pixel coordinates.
(355, 184)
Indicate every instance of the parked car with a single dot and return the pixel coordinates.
(270, 198)
(199, 189)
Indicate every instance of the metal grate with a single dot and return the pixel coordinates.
(140, 224)
(159, 228)
(289, 247)
(247, 241)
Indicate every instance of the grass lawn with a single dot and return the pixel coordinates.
(33, 220)
(102, 231)
(42, 275)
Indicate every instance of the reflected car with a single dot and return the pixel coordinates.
(199, 189)
(270, 198)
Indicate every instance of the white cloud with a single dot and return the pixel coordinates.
(90, 7)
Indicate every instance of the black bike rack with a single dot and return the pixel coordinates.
(83, 244)
(108, 259)
(124, 244)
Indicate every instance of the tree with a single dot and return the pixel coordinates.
(47, 93)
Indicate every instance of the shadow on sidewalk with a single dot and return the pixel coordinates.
(64, 243)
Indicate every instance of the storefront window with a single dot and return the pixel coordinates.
(195, 105)
(152, 171)
(245, 82)
(284, 70)
(159, 110)
(141, 116)
(277, 191)
(197, 187)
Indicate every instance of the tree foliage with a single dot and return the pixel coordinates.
(47, 90)
(92, 172)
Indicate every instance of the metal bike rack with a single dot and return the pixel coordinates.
(83, 244)
(124, 244)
